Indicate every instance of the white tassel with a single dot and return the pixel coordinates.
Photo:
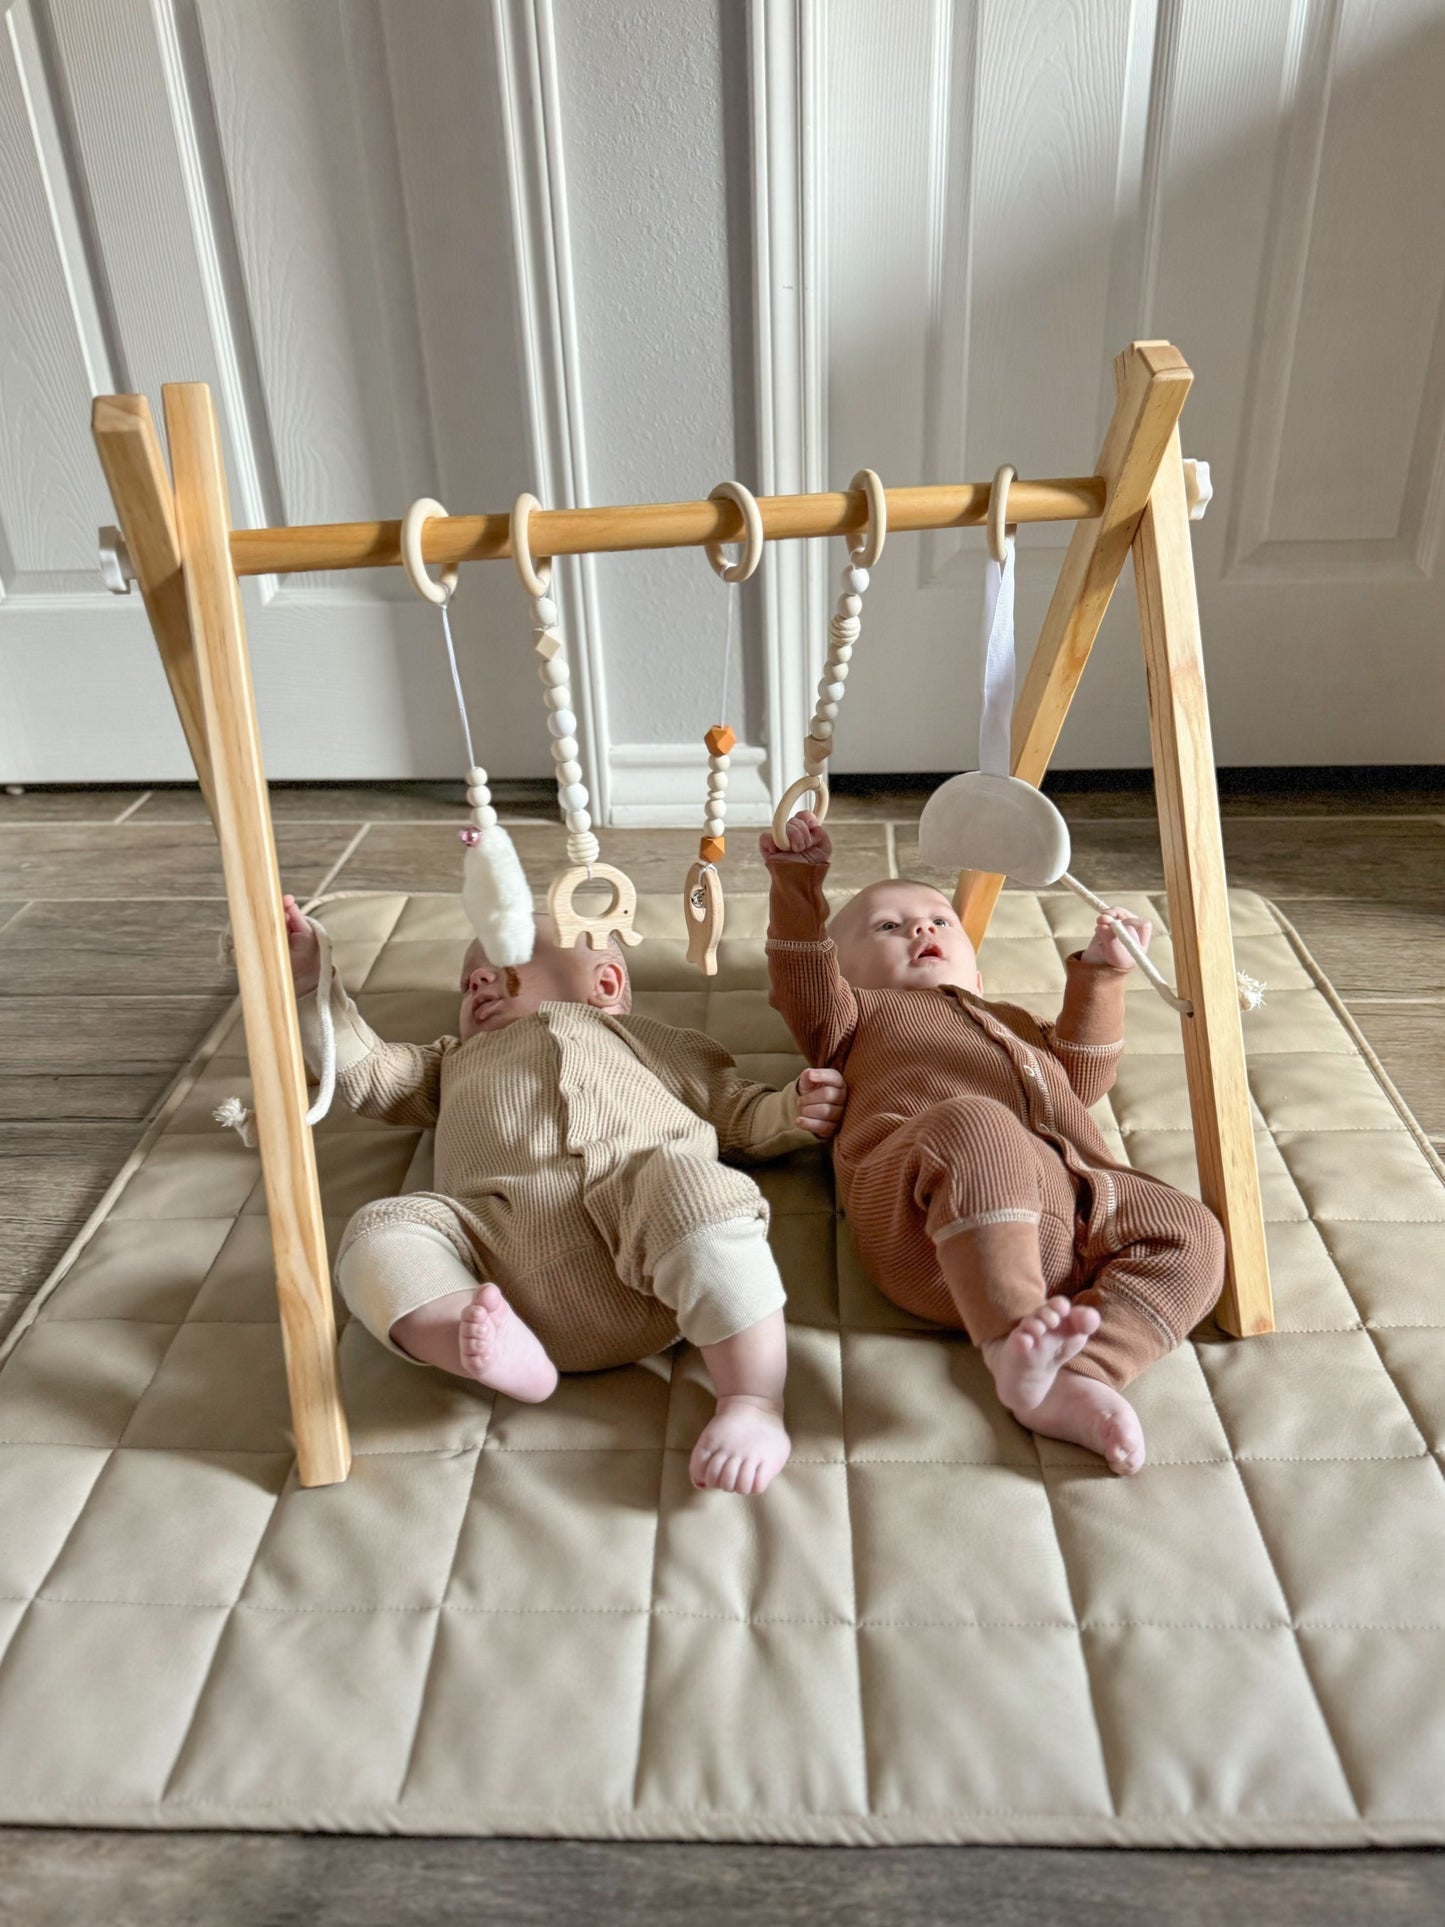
(1251, 990)
(498, 898)
(233, 1115)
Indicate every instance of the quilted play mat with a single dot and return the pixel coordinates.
(524, 1620)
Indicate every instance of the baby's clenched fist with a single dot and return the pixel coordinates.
(304, 946)
(821, 1097)
(808, 842)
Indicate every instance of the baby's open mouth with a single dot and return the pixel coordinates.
(928, 950)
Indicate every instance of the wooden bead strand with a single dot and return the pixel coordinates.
(616, 919)
(843, 632)
(702, 895)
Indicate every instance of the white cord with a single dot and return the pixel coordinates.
(231, 1113)
(1133, 946)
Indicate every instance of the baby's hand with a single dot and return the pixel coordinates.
(305, 948)
(1105, 947)
(808, 842)
(821, 1097)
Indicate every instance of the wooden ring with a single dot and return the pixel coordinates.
(752, 554)
(535, 580)
(998, 526)
(869, 545)
(818, 785)
(412, 523)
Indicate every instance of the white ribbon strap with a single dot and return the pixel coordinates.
(995, 729)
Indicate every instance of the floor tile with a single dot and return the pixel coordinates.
(124, 1036)
(40, 1095)
(156, 860)
(1409, 1040)
(106, 948)
(1374, 948)
(67, 805)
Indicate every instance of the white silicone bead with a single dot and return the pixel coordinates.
(565, 750)
(555, 671)
(544, 612)
(717, 779)
(822, 729)
(569, 772)
(484, 819)
(717, 806)
(855, 580)
(479, 796)
(719, 762)
(850, 605)
(714, 826)
(832, 692)
(476, 777)
(827, 711)
(839, 672)
(558, 698)
(578, 821)
(562, 723)
(572, 796)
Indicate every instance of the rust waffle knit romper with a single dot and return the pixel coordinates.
(964, 1115)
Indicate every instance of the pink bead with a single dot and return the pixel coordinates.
(470, 836)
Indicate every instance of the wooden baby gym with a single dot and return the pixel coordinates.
(176, 540)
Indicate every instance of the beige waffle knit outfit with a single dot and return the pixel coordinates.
(965, 1114)
(577, 1167)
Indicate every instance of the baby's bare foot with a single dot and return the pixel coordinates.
(1026, 1360)
(499, 1351)
(1083, 1411)
(743, 1447)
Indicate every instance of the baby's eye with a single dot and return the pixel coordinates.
(887, 924)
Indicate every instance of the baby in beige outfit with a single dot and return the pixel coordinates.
(582, 1217)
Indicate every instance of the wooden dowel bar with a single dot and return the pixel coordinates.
(655, 525)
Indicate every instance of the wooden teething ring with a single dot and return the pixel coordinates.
(417, 516)
(791, 798)
(752, 554)
(999, 528)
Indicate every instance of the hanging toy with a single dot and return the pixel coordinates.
(992, 821)
(617, 917)
(843, 633)
(495, 892)
(702, 894)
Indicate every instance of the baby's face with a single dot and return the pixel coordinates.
(495, 995)
(903, 936)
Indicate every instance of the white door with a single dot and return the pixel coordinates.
(613, 252)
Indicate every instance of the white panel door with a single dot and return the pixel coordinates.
(611, 250)
(1016, 188)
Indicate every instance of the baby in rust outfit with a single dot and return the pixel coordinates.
(979, 1190)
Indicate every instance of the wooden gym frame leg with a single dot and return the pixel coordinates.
(1193, 845)
(130, 453)
(1154, 382)
(253, 891)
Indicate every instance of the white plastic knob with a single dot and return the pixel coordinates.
(1198, 488)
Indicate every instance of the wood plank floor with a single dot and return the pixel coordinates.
(111, 914)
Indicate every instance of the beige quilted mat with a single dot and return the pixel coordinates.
(524, 1620)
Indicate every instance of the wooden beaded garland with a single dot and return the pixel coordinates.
(843, 632)
(617, 917)
(702, 894)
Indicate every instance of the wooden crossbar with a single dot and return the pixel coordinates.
(189, 560)
(654, 525)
